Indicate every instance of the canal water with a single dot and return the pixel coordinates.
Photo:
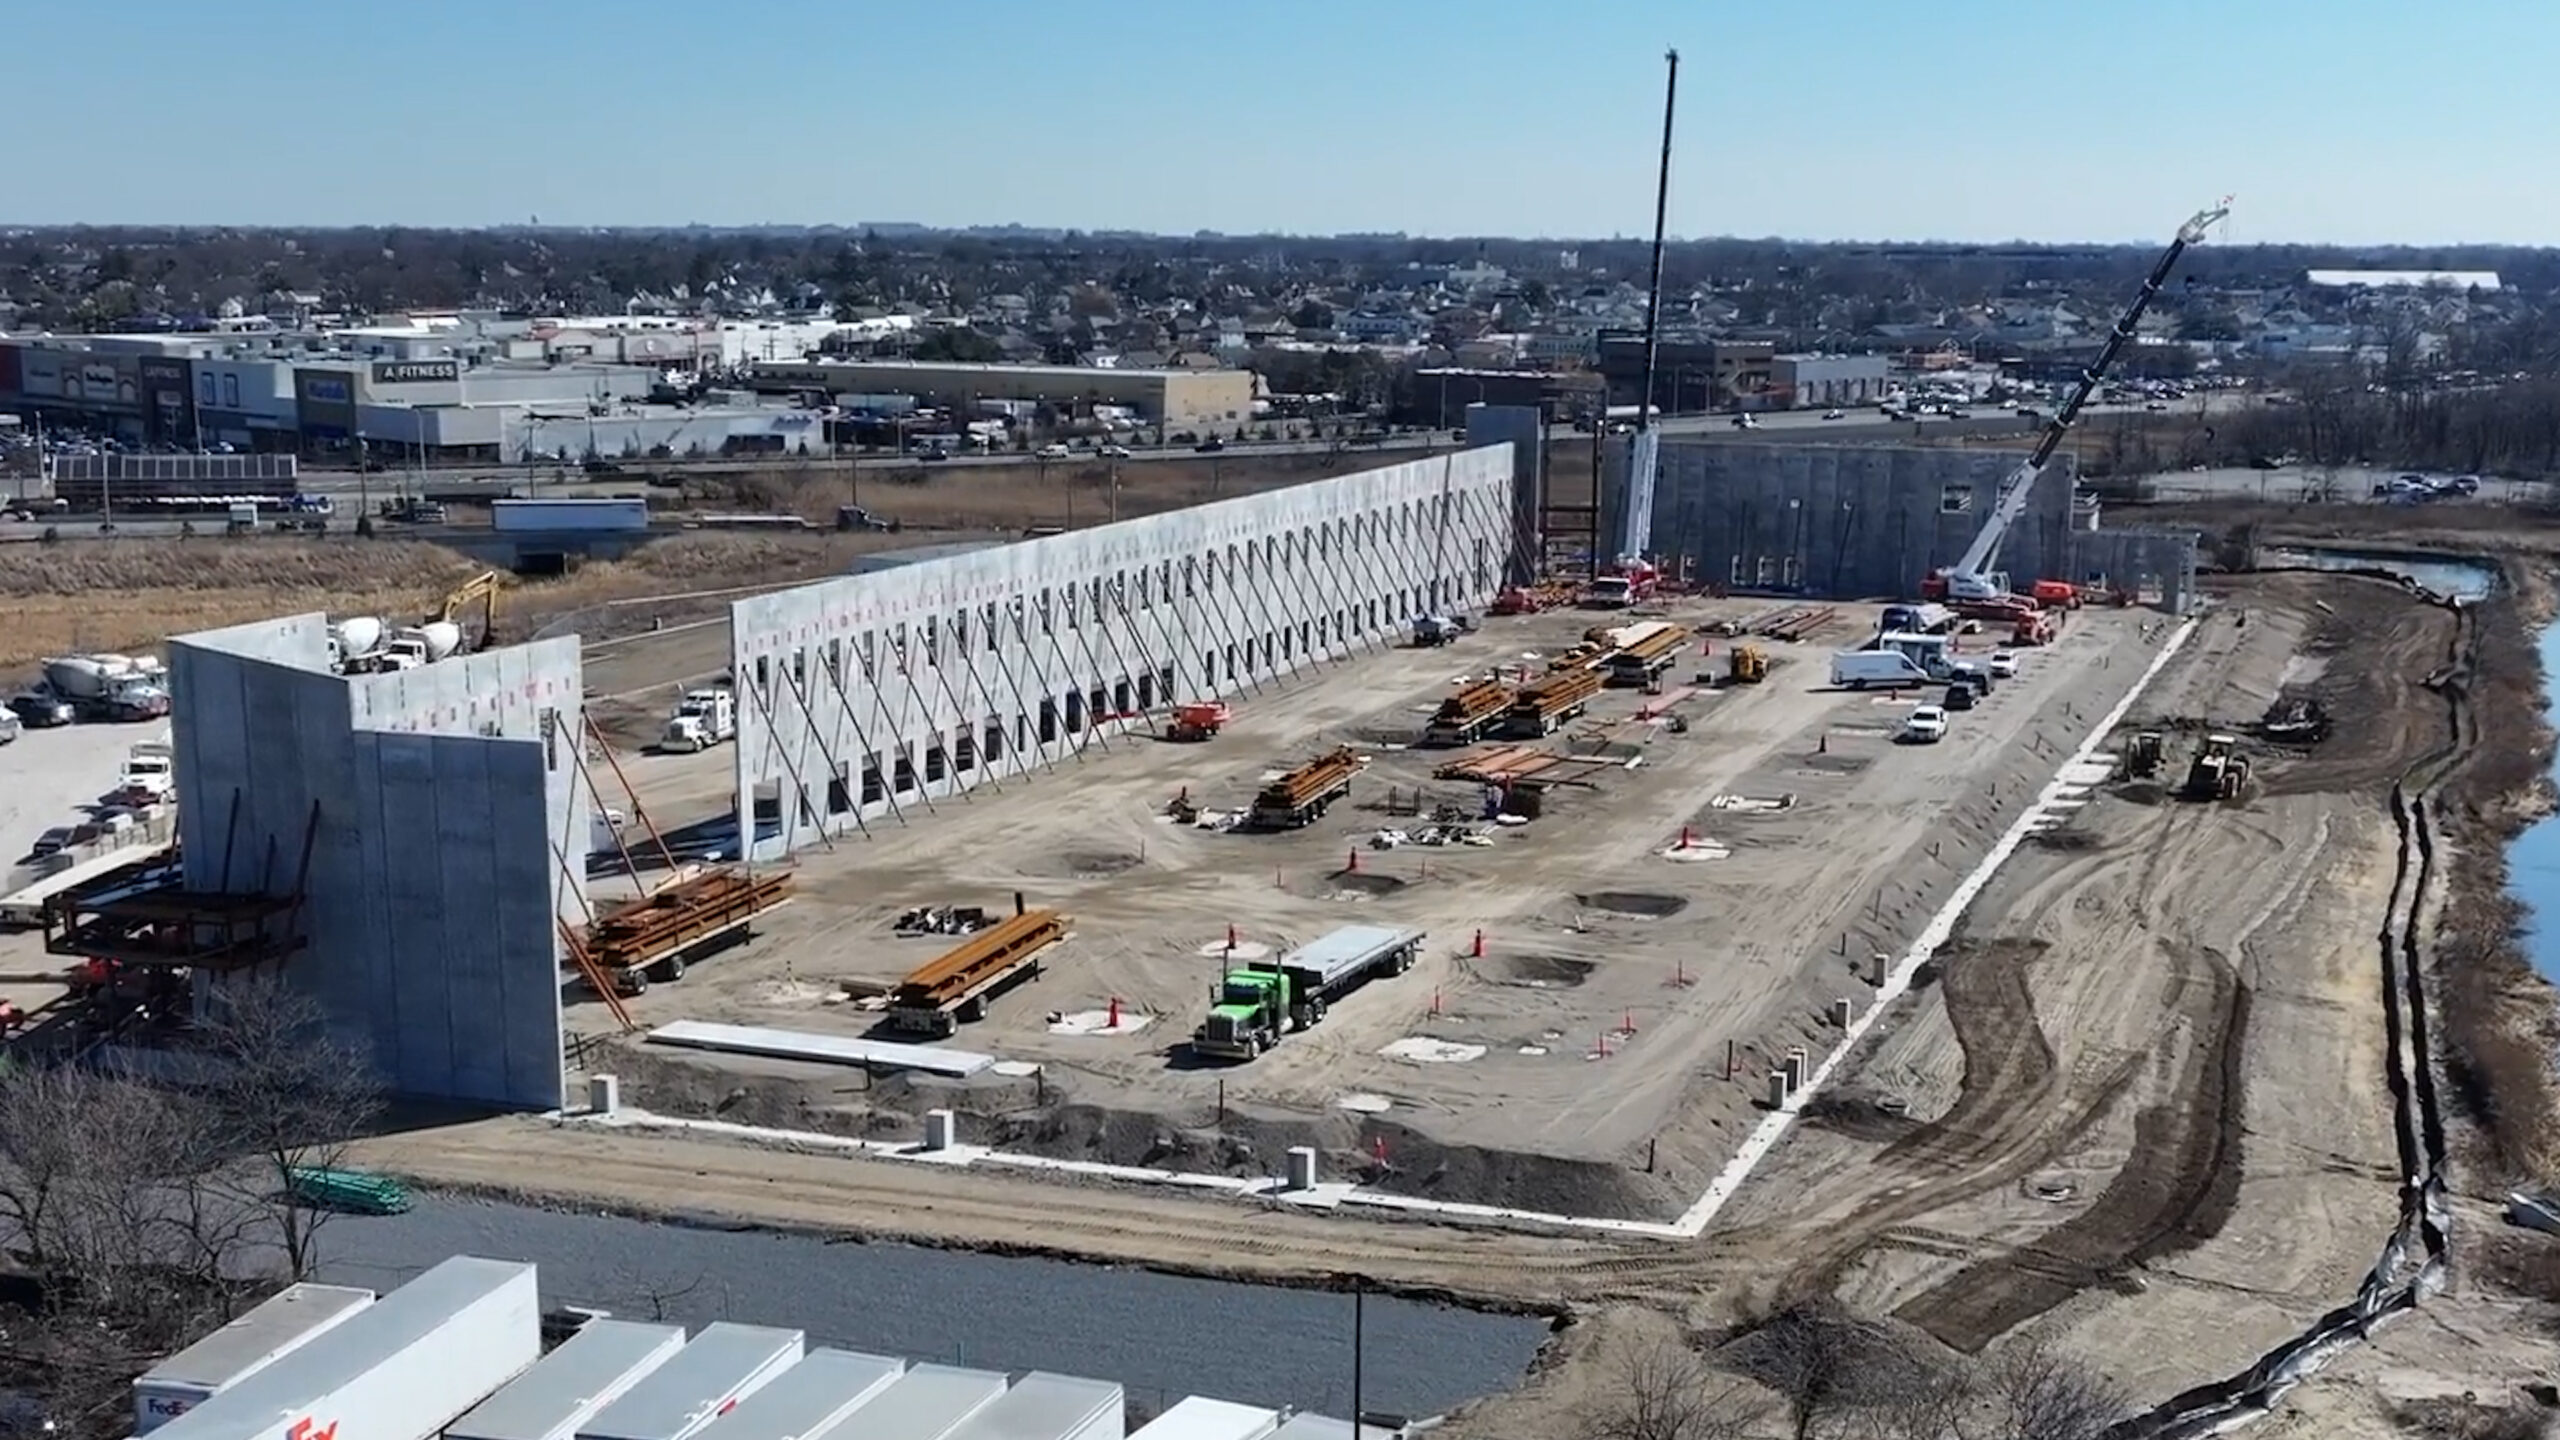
(1162, 1336)
(2533, 860)
(2466, 580)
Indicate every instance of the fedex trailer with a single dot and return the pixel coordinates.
(402, 1368)
(286, 1321)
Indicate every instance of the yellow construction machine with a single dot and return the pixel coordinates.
(481, 590)
(2219, 771)
(1746, 665)
(2142, 758)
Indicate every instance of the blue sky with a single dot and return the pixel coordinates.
(2333, 120)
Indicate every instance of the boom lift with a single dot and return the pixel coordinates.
(1969, 584)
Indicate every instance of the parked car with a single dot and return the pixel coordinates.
(41, 709)
(1054, 451)
(2004, 664)
(1926, 725)
(1210, 446)
(1113, 452)
(51, 842)
(1833, 415)
(1959, 697)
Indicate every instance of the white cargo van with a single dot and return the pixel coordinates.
(1858, 669)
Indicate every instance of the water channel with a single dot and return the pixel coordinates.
(1162, 1336)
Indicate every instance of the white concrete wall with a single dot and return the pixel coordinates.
(861, 697)
(451, 827)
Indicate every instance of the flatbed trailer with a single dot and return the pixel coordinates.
(1467, 713)
(1254, 1006)
(30, 905)
(1645, 655)
(1549, 702)
(1304, 793)
(659, 935)
(957, 986)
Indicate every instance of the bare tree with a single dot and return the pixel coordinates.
(1808, 1353)
(2038, 1394)
(287, 1095)
(1669, 1393)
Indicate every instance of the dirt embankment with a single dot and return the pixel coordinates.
(127, 596)
(2500, 1019)
(2498, 1014)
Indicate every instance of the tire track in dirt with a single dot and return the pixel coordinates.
(2014, 1111)
(2393, 1287)
(2180, 1193)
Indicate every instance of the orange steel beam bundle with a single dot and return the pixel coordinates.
(949, 975)
(1658, 644)
(1314, 777)
(684, 912)
(1564, 687)
(1475, 700)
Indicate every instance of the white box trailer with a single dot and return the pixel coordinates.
(811, 1400)
(1041, 1406)
(1197, 1417)
(400, 1369)
(275, 1328)
(568, 516)
(590, 1370)
(928, 1402)
(725, 1364)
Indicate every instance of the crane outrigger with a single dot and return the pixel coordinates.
(1970, 586)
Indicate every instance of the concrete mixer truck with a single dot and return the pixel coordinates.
(108, 687)
(412, 646)
(354, 644)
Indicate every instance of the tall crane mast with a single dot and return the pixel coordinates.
(1970, 579)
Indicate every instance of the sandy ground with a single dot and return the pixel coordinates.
(1599, 1014)
(2138, 1113)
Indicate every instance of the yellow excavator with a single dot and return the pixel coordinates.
(481, 590)
(1746, 665)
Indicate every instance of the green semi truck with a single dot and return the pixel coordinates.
(1255, 1004)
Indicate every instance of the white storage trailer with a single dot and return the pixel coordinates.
(1041, 1406)
(401, 1368)
(810, 1401)
(928, 1402)
(568, 516)
(590, 1370)
(1197, 1417)
(725, 1364)
(281, 1324)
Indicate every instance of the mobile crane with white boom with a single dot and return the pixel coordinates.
(1969, 586)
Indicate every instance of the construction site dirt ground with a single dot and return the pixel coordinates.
(1579, 1064)
(2137, 1111)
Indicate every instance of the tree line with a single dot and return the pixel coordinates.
(142, 1211)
